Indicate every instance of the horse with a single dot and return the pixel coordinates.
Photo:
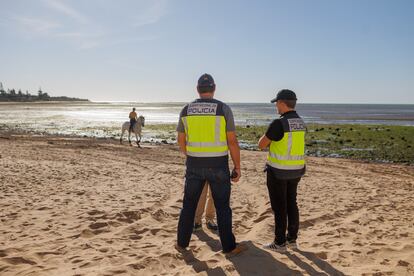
(137, 130)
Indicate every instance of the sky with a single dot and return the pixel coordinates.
(327, 51)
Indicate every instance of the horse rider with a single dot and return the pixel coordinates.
(132, 119)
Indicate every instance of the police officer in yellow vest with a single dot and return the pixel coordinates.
(285, 166)
(206, 133)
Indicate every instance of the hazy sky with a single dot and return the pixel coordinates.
(327, 51)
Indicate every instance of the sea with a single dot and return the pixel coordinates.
(104, 119)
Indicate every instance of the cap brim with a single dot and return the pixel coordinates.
(273, 100)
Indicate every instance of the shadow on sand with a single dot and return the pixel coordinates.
(201, 266)
(257, 261)
(314, 259)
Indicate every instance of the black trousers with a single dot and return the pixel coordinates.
(282, 193)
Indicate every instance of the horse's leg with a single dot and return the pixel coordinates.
(136, 137)
(122, 134)
(129, 137)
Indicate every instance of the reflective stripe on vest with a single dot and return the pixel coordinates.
(289, 152)
(205, 135)
(287, 157)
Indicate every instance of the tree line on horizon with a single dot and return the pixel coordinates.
(12, 96)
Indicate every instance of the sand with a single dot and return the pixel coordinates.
(81, 206)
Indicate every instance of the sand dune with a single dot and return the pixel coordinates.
(74, 206)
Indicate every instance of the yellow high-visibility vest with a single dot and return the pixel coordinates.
(205, 129)
(289, 152)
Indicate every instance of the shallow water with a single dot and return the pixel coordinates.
(105, 119)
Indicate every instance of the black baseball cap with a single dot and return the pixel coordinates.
(284, 94)
(206, 80)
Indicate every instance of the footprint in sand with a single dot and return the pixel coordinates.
(135, 237)
(98, 225)
(45, 253)
(261, 218)
(118, 271)
(403, 263)
(18, 260)
(85, 264)
(385, 262)
(76, 261)
(155, 231)
(159, 215)
(137, 266)
(89, 234)
(128, 216)
(3, 268)
(322, 255)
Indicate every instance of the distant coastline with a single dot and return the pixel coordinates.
(12, 96)
(50, 99)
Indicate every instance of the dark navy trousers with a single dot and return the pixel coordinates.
(219, 180)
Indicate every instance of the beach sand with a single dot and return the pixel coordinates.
(81, 206)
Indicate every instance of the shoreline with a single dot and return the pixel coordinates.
(330, 140)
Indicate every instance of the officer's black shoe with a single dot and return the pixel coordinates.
(212, 225)
(197, 227)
